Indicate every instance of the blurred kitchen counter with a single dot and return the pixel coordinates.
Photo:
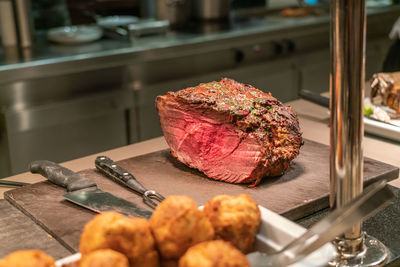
(314, 123)
(47, 58)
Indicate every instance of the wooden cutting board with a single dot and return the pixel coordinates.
(301, 191)
(18, 232)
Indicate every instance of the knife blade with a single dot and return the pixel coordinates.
(85, 192)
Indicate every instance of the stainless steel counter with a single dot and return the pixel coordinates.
(53, 59)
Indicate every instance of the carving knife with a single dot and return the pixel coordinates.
(85, 192)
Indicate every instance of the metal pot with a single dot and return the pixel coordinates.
(211, 9)
(177, 12)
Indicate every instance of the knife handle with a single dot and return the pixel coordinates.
(314, 98)
(60, 175)
(117, 173)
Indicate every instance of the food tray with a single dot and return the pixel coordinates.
(380, 126)
(275, 232)
(382, 129)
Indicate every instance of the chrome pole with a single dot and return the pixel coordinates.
(347, 77)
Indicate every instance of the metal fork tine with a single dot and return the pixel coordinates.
(151, 195)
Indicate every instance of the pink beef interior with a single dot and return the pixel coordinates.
(209, 144)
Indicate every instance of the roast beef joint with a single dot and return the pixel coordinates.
(230, 131)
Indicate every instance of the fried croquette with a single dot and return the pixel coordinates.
(168, 263)
(104, 258)
(177, 224)
(216, 253)
(235, 219)
(130, 236)
(27, 258)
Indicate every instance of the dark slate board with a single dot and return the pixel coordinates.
(301, 191)
(18, 232)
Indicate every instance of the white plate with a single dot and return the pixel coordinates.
(275, 233)
(390, 130)
(69, 259)
(75, 34)
(115, 21)
(382, 129)
(378, 3)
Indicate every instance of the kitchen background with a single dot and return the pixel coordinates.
(73, 91)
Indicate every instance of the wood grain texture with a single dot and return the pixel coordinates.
(301, 191)
(18, 232)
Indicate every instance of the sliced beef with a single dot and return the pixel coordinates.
(230, 131)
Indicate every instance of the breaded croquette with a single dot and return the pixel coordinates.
(235, 219)
(177, 224)
(27, 258)
(130, 236)
(217, 253)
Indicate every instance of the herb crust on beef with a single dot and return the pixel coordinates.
(230, 131)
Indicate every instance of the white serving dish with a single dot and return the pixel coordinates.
(68, 260)
(382, 129)
(116, 21)
(75, 34)
(275, 232)
(390, 130)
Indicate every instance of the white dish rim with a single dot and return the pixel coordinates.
(59, 34)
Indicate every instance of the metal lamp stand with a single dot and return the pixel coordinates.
(347, 78)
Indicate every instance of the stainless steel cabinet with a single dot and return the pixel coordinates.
(314, 71)
(279, 77)
(65, 130)
(314, 67)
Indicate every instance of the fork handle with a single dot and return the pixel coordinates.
(112, 170)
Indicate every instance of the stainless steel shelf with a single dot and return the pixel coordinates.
(47, 59)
